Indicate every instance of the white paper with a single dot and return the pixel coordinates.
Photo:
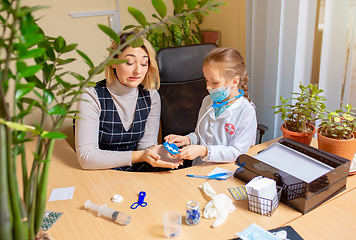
(221, 170)
(61, 194)
(293, 163)
(262, 188)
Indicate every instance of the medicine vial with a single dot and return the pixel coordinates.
(193, 213)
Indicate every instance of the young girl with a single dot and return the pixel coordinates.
(227, 121)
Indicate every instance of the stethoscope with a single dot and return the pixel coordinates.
(215, 105)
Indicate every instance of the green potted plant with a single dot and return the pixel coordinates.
(34, 76)
(337, 132)
(183, 30)
(300, 115)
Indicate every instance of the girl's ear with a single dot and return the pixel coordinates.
(235, 82)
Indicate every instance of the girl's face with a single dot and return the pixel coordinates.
(213, 77)
(133, 72)
(215, 80)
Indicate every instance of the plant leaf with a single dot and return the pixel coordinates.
(116, 61)
(59, 43)
(129, 26)
(159, 29)
(34, 53)
(178, 6)
(137, 41)
(86, 58)
(214, 9)
(23, 89)
(140, 18)
(177, 21)
(69, 48)
(17, 126)
(111, 33)
(65, 61)
(53, 135)
(221, 3)
(57, 110)
(29, 71)
(160, 7)
(192, 4)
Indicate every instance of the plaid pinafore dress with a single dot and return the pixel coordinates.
(112, 134)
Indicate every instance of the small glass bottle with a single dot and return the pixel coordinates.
(193, 213)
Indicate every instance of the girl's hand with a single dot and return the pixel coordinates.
(177, 139)
(158, 156)
(192, 151)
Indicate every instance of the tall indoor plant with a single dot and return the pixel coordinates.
(337, 132)
(34, 77)
(299, 115)
(184, 30)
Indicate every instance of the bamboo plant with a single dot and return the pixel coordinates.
(35, 76)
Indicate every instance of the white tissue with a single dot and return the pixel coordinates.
(219, 207)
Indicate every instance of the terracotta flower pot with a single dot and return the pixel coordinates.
(305, 138)
(342, 148)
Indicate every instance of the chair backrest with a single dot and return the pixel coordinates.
(183, 86)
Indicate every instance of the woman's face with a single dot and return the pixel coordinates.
(133, 72)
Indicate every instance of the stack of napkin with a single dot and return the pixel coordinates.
(262, 188)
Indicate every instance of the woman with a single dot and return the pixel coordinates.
(119, 117)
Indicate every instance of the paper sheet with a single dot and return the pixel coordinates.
(221, 170)
(61, 194)
(295, 164)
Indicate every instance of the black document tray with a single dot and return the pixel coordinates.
(299, 194)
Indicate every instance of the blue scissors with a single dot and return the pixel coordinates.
(140, 202)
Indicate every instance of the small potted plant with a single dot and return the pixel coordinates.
(299, 116)
(337, 132)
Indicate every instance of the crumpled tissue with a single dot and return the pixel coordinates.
(219, 206)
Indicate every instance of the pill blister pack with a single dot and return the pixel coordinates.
(49, 218)
(239, 193)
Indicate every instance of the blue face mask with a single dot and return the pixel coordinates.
(219, 94)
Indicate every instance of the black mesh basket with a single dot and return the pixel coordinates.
(262, 205)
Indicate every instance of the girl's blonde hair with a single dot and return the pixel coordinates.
(230, 64)
(151, 80)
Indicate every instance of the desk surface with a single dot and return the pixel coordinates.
(333, 220)
(165, 191)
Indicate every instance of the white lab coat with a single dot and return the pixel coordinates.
(232, 133)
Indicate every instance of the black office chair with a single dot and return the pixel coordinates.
(183, 86)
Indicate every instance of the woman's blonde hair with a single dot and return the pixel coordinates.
(230, 64)
(151, 80)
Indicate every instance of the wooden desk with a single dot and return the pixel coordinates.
(333, 220)
(165, 191)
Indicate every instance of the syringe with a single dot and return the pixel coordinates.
(108, 212)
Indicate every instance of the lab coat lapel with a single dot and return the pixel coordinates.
(228, 112)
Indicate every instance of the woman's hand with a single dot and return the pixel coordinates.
(177, 139)
(158, 156)
(192, 151)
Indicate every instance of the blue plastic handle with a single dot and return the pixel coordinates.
(140, 202)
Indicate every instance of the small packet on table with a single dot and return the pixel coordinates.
(239, 193)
